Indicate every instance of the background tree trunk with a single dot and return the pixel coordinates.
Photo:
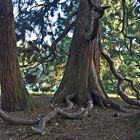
(14, 94)
(81, 76)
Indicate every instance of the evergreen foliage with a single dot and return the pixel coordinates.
(40, 23)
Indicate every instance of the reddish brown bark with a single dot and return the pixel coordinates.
(82, 69)
(13, 92)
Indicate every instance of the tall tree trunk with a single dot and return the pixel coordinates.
(81, 76)
(14, 94)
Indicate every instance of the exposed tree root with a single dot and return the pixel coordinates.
(68, 100)
(133, 116)
(40, 124)
(81, 112)
(108, 102)
(40, 128)
(15, 121)
(89, 105)
(88, 108)
(120, 79)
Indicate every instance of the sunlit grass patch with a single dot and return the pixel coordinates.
(112, 95)
(48, 92)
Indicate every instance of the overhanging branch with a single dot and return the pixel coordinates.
(120, 79)
(61, 36)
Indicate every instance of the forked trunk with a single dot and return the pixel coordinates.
(82, 69)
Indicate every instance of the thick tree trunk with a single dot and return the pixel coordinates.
(81, 76)
(14, 94)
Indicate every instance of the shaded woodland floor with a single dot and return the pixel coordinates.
(102, 124)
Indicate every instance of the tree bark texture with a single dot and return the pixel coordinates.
(14, 95)
(81, 76)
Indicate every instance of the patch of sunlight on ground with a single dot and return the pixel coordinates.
(33, 92)
(111, 95)
(117, 96)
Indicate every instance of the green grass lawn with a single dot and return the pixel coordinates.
(48, 92)
(111, 95)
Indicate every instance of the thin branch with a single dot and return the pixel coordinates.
(62, 35)
(120, 79)
(112, 67)
(69, 19)
(124, 16)
(134, 88)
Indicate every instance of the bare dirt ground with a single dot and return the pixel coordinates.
(102, 124)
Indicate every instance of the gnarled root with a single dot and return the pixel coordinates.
(68, 100)
(88, 108)
(12, 120)
(40, 128)
(108, 102)
(81, 112)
